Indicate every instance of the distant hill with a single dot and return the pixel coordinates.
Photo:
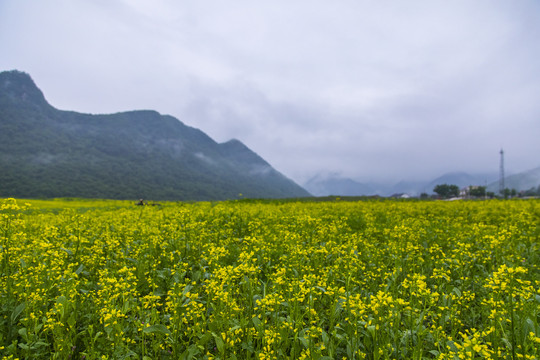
(46, 152)
(324, 185)
(522, 181)
(411, 188)
(461, 179)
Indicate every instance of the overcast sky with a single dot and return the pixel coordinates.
(373, 90)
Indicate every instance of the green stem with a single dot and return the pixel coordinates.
(512, 332)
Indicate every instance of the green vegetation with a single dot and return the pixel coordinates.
(477, 191)
(87, 279)
(48, 153)
(446, 191)
(532, 191)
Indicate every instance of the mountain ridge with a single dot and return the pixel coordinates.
(46, 152)
(333, 184)
(524, 180)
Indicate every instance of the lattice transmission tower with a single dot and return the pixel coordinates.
(501, 174)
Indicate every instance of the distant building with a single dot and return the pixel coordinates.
(466, 192)
(400, 196)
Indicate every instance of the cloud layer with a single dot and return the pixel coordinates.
(372, 90)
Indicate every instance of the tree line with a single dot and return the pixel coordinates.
(448, 191)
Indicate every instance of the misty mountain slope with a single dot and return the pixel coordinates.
(522, 181)
(45, 152)
(325, 185)
(461, 179)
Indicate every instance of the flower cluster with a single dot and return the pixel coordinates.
(85, 279)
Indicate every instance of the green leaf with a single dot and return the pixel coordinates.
(99, 333)
(325, 338)
(350, 351)
(71, 321)
(507, 343)
(22, 332)
(205, 339)
(257, 322)
(79, 269)
(62, 300)
(157, 328)
(187, 289)
(528, 326)
(126, 307)
(219, 343)
(371, 329)
(18, 310)
(192, 351)
(434, 353)
(451, 345)
(69, 252)
(304, 341)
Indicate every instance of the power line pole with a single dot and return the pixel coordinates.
(501, 174)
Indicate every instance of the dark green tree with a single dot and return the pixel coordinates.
(509, 193)
(533, 191)
(477, 191)
(446, 191)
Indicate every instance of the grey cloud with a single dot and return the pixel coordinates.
(366, 89)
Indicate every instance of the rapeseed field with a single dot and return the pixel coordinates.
(270, 280)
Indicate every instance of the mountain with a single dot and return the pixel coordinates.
(411, 188)
(522, 181)
(325, 185)
(46, 152)
(461, 179)
(332, 184)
